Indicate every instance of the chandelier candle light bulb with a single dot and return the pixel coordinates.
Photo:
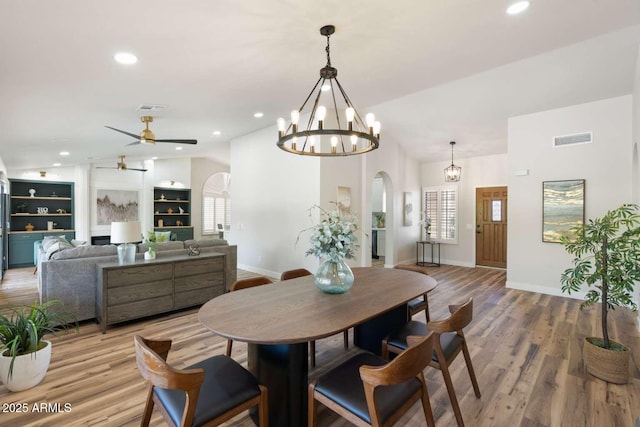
(295, 117)
(334, 143)
(354, 143)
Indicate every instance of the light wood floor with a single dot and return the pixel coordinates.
(526, 349)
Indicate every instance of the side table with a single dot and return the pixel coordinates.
(434, 246)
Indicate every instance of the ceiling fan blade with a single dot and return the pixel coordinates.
(133, 135)
(134, 143)
(134, 169)
(178, 141)
(104, 167)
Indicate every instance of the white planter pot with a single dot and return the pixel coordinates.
(28, 370)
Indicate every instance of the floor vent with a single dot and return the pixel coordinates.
(575, 139)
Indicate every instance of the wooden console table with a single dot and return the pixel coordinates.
(131, 291)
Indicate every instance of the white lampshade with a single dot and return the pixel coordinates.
(126, 232)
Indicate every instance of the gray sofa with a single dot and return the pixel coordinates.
(71, 276)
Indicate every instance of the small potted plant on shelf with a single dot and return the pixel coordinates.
(24, 354)
(607, 251)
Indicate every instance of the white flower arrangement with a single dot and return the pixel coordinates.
(334, 237)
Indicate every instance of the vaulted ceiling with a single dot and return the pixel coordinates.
(432, 71)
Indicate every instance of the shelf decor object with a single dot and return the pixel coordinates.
(126, 233)
(452, 173)
(322, 137)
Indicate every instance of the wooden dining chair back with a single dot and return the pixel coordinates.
(422, 302)
(250, 283)
(449, 341)
(294, 274)
(369, 391)
(245, 284)
(301, 272)
(207, 393)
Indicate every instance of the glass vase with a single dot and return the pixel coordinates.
(333, 277)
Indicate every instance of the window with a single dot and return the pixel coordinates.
(216, 203)
(440, 206)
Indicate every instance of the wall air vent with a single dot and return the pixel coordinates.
(575, 139)
(151, 107)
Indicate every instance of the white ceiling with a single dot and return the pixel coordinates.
(432, 71)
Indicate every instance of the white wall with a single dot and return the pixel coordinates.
(484, 171)
(605, 165)
(201, 169)
(271, 193)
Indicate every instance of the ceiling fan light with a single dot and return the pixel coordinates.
(147, 137)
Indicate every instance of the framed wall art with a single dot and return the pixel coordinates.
(116, 205)
(562, 208)
(344, 199)
(408, 209)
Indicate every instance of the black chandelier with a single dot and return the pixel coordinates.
(315, 139)
(452, 173)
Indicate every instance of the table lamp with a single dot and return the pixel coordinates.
(126, 233)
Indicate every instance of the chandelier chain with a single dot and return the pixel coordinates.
(327, 49)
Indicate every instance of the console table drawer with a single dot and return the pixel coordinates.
(135, 310)
(199, 266)
(198, 296)
(139, 292)
(138, 274)
(185, 284)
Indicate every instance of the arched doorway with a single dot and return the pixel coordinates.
(216, 204)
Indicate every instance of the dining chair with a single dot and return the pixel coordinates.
(369, 391)
(244, 284)
(448, 342)
(301, 272)
(207, 393)
(422, 302)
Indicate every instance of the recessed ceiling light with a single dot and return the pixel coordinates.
(518, 7)
(216, 133)
(258, 115)
(325, 87)
(154, 158)
(64, 153)
(57, 164)
(125, 58)
(178, 148)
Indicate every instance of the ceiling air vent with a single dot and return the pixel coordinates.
(575, 139)
(151, 107)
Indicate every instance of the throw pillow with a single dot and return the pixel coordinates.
(50, 240)
(163, 236)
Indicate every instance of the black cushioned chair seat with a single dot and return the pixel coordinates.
(450, 341)
(226, 385)
(416, 304)
(344, 386)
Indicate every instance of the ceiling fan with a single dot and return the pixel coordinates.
(122, 166)
(147, 137)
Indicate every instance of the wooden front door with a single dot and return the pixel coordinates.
(491, 227)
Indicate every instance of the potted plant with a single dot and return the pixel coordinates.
(151, 245)
(24, 354)
(333, 240)
(380, 217)
(607, 254)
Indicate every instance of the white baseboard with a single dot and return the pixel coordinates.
(259, 270)
(548, 290)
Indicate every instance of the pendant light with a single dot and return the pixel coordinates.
(452, 173)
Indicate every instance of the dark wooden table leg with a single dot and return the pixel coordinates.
(369, 335)
(283, 369)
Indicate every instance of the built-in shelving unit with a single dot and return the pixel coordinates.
(38, 209)
(172, 211)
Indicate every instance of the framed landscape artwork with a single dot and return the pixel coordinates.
(116, 205)
(563, 208)
(344, 199)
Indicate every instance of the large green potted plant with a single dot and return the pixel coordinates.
(24, 354)
(607, 260)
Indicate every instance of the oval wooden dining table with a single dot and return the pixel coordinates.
(278, 320)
